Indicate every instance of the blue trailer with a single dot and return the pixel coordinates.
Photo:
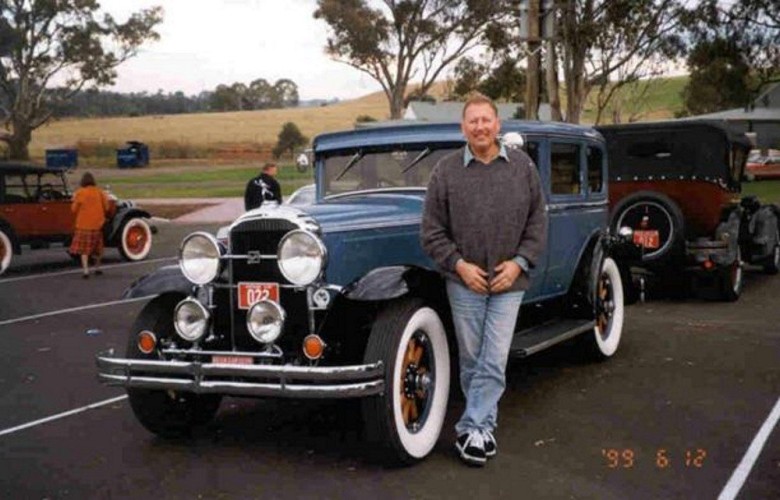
(135, 154)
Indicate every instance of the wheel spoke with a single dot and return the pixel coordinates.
(413, 410)
(406, 409)
(410, 348)
(417, 356)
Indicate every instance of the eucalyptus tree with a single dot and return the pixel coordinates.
(51, 49)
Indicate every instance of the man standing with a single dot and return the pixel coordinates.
(263, 188)
(484, 225)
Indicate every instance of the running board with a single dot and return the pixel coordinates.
(541, 337)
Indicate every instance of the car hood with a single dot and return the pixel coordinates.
(368, 211)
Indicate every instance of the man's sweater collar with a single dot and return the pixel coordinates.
(468, 156)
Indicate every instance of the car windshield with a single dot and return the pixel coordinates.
(405, 166)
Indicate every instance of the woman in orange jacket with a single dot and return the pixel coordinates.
(90, 204)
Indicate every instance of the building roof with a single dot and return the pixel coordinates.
(740, 114)
(451, 111)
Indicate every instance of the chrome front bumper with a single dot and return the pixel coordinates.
(242, 380)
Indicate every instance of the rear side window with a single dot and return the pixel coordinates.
(595, 158)
(17, 189)
(565, 169)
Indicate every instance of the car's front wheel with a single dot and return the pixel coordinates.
(6, 251)
(165, 413)
(404, 423)
(136, 239)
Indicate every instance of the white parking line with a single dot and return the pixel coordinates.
(62, 415)
(73, 271)
(731, 490)
(74, 309)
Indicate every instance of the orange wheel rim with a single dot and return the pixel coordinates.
(136, 239)
(415, 381)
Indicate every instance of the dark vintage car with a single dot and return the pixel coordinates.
(35, 212)
(338, 300)
(677, 185)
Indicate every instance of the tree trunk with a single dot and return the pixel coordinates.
(18, 143)
(553, 88)
(534, 63)
(396, 101)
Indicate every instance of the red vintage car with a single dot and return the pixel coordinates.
(763, 166)
(35, 213)
(677, 184)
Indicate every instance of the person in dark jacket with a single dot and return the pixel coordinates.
(263, 188)
(484, 225)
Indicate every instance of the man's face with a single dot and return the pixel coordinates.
(480, 126)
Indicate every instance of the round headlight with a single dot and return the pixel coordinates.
(302, 257)
(199, 258)
(264, 321)
(190, 319)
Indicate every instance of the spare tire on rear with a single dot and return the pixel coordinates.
(663, 215)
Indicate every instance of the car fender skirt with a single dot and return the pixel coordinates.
(391, 282)
(165, 279)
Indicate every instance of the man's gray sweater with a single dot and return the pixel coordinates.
(484, 214)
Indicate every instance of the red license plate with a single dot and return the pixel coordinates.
(231, 360)
(250, 293)
(647, 239)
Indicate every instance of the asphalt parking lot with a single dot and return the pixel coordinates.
(673, 415)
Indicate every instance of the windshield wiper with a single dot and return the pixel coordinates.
(425, 152)
(351, 163)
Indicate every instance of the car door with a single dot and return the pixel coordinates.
(55, 218)
(575, 210)
(534, 149)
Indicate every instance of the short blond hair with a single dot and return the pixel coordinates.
(479, 98)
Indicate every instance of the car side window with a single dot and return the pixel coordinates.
(17, 190)
(565, 169)
(595, 159)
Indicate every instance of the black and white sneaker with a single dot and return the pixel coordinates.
(471, 447)
(491, 447)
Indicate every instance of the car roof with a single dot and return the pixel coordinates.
(381, 135)
(703, 126)
(26, 168)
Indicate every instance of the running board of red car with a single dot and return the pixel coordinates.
(541, 337)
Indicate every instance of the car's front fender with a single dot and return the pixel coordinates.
(390, 282)
(163, 280)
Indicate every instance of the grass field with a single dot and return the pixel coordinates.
(245, 135)
(195, 182)
(767, 191)
(215, 154)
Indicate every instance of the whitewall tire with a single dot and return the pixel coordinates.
(404, 424)
(136, 240)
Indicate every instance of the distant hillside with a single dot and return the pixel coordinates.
(196, 135)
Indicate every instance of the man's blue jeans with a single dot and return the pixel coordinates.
(484, 327)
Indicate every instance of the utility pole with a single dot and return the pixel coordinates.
(533, 69)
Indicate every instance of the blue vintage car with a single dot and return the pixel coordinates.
(338, 300)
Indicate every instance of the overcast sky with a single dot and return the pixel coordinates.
(207, 42)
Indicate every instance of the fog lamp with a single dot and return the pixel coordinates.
(264, 321)
(190, 319)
